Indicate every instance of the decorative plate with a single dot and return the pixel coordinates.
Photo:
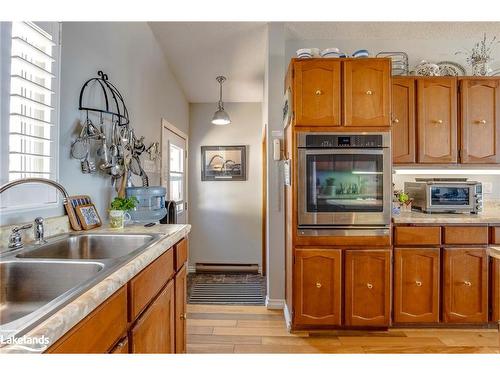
(450, 68)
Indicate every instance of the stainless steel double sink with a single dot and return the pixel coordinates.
(38, 280)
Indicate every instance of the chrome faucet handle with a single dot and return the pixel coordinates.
(39, 231)
(15, 238)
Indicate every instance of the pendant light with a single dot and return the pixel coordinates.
(220, 116)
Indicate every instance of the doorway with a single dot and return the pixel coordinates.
(174, 151)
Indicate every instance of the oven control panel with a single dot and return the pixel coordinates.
(343, 141)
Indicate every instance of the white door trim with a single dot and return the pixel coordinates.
(167, 125)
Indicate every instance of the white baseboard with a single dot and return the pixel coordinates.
(288, 317)
(274, 304)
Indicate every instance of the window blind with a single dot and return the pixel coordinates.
(32, 98)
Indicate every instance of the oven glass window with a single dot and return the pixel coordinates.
(449, 196)
(344, 183)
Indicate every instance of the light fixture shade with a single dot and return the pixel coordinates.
(221, 117)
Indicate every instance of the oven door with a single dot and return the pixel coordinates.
(344, 187)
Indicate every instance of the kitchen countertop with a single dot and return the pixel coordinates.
(488, 216)
(56, 325)
(494, 252)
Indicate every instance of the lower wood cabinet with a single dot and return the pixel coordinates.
(180, 309)
(416, 285)
(318, 287)
(495, 290)
(367, 287)
(465, 290)
(154, 330)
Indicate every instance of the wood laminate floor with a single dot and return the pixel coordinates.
(254, 329)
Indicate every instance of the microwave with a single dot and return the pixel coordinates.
(446, 196)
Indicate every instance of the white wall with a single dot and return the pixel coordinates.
(129, 53)
(225, 215)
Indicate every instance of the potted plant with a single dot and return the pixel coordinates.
(118, 214)
(404, 200)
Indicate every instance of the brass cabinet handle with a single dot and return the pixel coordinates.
(467, 283)
(319, 92)
(369, 285)
(183, 316)
(438, 121)
(482, 122)
(318, 285)
(419, 283)
(369, 92)
(396, 121)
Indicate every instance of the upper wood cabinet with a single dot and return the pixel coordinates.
(416, 285)
(403, 120)
(367, 287)
(318, 287)
(437, 120)
(465, 291)
(480, 108)
(317, 92)
(367, 90)
(154, 331)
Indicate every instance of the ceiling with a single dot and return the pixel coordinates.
(198, 52)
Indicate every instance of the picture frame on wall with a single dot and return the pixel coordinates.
(223, 163)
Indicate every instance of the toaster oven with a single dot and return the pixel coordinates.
(446, 196)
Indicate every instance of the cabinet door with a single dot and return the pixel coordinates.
(154, 330)
(318, 292)
(180, 310)
(367, 87)
(495, 290)
(403, 120)
(416, 285)
(465, 285)
(437, 120)
(317, 92)
(480, 106)
(367, 287)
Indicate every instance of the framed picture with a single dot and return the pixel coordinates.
(88, 216)
(223, 163)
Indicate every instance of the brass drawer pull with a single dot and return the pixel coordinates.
(183, 316)
(319, 92)
(318, 285)
(396, 121)
(369, 286)
(369, 92)
(482, 122)
(438, 121)
(419, 283)
(467, 283)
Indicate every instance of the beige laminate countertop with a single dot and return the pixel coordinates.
(60, 322)
(489, 216)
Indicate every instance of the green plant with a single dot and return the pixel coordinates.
(124, 204)
(403, 197)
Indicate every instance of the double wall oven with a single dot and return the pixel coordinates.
(344, 184)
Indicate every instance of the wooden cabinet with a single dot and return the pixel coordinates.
(465, 290)
(480, 108)
(495, 290)
(462, 235)
(154, 331)
(367, 287)
(403, 120)
(180, 309)
(416, 285)
(367, 92)
(318, 287)
(317, 92)
(404, 236)
(437, 120)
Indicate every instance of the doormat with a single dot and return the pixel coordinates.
(247, 293)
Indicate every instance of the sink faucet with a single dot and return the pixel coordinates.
(15, 239)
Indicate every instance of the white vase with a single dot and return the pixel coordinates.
(480, 68)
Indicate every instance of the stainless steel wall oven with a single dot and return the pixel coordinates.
(344, 183)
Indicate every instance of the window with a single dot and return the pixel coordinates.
(176, 176)
(29, 114)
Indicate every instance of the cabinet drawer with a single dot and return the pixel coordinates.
(98, 331)
(180, 253)
(495, 235)
(147, 284)
(417, 235)
(466, 235)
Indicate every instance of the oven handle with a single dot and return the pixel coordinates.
(342, 151)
